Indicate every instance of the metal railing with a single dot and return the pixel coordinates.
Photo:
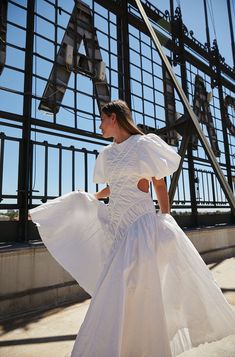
(134, 73)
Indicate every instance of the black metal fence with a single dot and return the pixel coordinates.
(45, 156)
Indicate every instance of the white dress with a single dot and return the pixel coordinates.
(152, 294)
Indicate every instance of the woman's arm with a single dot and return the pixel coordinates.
(105, 192)
(162, 194)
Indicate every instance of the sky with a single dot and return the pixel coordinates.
(193, 17)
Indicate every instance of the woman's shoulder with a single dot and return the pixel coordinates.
(150, 139)
(152, 143)
(105, 149)
(139, 139)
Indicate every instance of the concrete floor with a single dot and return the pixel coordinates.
(52, 332)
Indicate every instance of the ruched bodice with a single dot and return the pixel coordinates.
(120, 167)
(123, 210)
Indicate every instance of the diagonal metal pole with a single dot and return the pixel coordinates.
(176, 175)
(227, 190)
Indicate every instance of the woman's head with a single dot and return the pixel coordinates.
(116, 115)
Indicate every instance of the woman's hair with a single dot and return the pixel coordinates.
(123, 115)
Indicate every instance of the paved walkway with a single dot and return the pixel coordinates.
(52, 333)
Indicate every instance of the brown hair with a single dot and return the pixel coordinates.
(123, 115)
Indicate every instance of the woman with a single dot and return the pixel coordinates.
(152, 294)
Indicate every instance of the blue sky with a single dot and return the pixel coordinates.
(193, 17)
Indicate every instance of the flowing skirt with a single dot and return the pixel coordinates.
(152, 294)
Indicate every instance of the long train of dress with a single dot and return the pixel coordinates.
(152, 294)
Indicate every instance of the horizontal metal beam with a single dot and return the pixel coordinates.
(227, 190)
(59, 127)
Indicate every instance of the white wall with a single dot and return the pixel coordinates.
(31, 279)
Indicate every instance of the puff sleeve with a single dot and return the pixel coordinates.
(156, 158)
(99, 170)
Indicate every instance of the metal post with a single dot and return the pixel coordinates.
(124, 56)
(183, 71)
(3, 33)
(213, 188)
(2, 146)
(24, 157)
(172, 10)
(207, 26)
(31, 175)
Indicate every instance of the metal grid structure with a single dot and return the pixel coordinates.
(45, 156)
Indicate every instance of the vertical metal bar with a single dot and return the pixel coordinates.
(216, 187)
(46, 171)
(207, 26)
(96, 186)
(75, 101)
(124, 55)
(213, 189)
(3, 32)
(184, 195)
(208, 187)
(109, 54)
(154, 92)
(93, 56)
(30, 174)
(54, 79)
(142, 80)
(178, 195)
(198, 187)
(231, 31)
(60, 169)
(73, 168)
(2, 139)
(172, 10)
(85, 170)
(191, 168)
(27, 107)
(75, 53)
(203, 188)
(221, 195)
(120, 57)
